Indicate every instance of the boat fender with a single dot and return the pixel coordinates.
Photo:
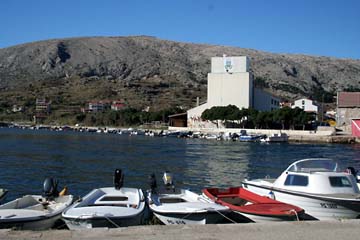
(64, 191)
(168, 181)
(271, 195)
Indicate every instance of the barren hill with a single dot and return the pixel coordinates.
(147, 71)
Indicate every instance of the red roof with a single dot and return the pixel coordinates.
(349, 99)
(118, 105)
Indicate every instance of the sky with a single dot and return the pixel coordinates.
(312, 27)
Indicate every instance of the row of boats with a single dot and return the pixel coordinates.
(309, 189)
(242, 136)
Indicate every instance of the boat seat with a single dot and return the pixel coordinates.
(38, 207)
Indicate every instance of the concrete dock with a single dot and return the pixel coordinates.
(329, 230)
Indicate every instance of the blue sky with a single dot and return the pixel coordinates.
(317, 27)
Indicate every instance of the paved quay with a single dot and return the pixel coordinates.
(314, 230)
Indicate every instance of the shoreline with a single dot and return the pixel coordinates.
(322, 135)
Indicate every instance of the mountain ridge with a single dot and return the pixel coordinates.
(148, 71)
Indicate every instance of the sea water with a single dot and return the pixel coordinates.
(84, 161)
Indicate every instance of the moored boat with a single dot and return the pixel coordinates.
(180, 206)
(35, 212)
(282, 137)
(254, 207)
(318, 185)
(245, 137)
(249, 138)
(108, 207)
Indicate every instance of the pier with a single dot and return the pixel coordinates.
(329, 230)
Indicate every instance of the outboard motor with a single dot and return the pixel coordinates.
(50, 189)
(152, 183)
(118, 179)
(168, 181)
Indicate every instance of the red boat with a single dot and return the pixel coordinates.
(254, 207)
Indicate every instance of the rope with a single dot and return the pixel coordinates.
(224, 216)
(296, 214)
(111, 221)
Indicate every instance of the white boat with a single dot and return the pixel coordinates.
(179, 206)
(108, 207)
(318, 185)
(282, 137)
(211, 136)
(245, 137)
(34, 212)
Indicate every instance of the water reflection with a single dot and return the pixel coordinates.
(214, 163)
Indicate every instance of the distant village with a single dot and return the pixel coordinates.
(230, 82)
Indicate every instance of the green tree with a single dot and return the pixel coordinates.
(284, 116)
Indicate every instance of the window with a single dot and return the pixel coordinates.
(339, 182)
(113, 198)
(296, 180)
(303, 102)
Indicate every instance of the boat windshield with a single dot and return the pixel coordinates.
(314, 165)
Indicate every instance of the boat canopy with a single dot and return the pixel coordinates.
(314, 165)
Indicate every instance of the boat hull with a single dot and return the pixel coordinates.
(263, 219)
(36, 224)
(190, 218)
(316, 207)
(104, 222)
(32, 212)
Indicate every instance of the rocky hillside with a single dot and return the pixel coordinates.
(147, 71)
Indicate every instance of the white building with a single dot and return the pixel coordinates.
(230, 82)
(264, 101)
(306, 104)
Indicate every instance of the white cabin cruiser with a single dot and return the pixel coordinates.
(317, 185)
(107, 207)
(179, 206)
(35, 212)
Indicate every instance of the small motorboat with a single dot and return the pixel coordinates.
(245, 137)
(35, 212)
(108, 207)
(318, 185)
(179, 206)
(282, 137)
(254, 207)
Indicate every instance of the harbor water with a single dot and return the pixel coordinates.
(84, 161)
